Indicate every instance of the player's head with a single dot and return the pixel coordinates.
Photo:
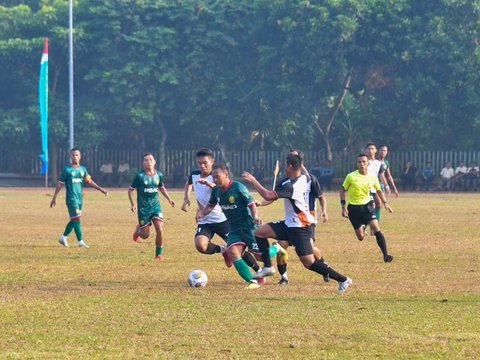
(205, 160)
(362, 163)
(371, 150)
(148, 161)
(299, 153)
(294, 165)
(75, 156)
(383, 151)
(220, 174)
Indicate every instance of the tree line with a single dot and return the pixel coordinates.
(321, 75)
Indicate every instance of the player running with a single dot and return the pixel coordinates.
(240, 210)
(147, 183)
(73, 176)
(298, 218)
(360, 210)
(201, 181)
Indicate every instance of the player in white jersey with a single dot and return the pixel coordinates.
(298, 218)
(201, 181)
(375, 168)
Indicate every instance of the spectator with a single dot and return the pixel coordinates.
(178, 175)
(428, 174)
(123, 171)
(258, 171)
(409, 176)
(106, 171)
(447, 176)
(326, 175)
(471, 177)
(459, 179)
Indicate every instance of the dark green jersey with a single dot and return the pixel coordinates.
(147, 190)
(234, 201)
(73, 178)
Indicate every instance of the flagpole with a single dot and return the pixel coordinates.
(70, 71)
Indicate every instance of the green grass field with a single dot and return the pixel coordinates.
(114, 301)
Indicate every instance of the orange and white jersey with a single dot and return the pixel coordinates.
(295, 195)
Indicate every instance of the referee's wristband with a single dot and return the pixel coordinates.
(343, 203)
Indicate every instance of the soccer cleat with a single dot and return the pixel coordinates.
(326, 277)
(135, 234)
(282, 253)
(266, 271)
(159, 258)
(262, 281)
(226, 258)
(63, 241)
(388, 258)
(252, 285)
(82, 244)
(343, 286)
(283, 281)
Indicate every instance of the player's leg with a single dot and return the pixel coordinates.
(300, 238)
(378, 206)
(356, 219)
(381, 241)
(203, 237)
(160, 237)
(236, 248)
(276, 230)
(75, 211)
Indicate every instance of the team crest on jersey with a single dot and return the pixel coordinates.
(157, 181)
(81, 173)
(145, 182)
(231, 199)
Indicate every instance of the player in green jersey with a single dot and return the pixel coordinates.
(73, 176)
(360, 210)
(239, 207)
(147, 183)
(382, 156)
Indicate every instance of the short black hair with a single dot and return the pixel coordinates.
(295, 161)
(220, 166)
(362, 155)
(75, 149)
(205, 152)
(370, 144)
(299, 154)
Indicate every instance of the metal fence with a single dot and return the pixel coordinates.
(24, 163)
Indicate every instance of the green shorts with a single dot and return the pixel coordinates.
(243, 237)
(74, 210)
(145, 217)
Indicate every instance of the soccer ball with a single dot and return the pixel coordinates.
(197, 278)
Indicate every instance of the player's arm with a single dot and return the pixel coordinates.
(133, 208)
(165, 194)
(186, 195)
(266, 194)
(343, 202)
(205, 211)
(94, 185)
(389, 177)
(53, 203)
(383, 179)
(263, 203)
(323, 206)
(382, 197)
(254, 212)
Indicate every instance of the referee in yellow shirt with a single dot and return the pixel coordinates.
(360, 209)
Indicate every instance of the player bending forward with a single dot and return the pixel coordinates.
(239, 207)
(298, 218)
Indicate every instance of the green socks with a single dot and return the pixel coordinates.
(243, 270)
(377, 213)
(68, 229)
(158, 250)
(77, 226)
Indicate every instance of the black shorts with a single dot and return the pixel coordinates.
(361, 214)
(281, 231)
(209, 230)
(300, 238)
